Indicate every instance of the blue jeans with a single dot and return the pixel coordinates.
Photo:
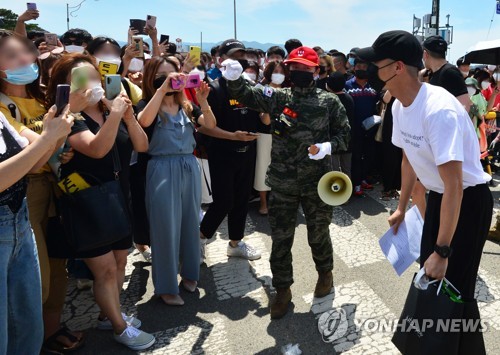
(21, 324)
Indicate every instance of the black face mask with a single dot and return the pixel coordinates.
(301, 79)
(375, 82)
(361, 74)
(158, 82)
(322, 69)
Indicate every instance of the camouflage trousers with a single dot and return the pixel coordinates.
(283, 209)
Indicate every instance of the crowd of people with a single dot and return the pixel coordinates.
(261, 124)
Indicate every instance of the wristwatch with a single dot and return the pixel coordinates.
(443, 251)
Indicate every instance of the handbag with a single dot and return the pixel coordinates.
(96, 216)
(427, 318)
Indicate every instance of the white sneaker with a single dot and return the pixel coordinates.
(244, 251)
(203, 247)
(130, 320)
(135, 339)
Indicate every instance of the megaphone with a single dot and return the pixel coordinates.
(335, 188)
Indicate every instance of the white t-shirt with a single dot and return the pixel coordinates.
(23, 142)
(436, 129)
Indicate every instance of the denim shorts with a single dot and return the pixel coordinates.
(21, 325)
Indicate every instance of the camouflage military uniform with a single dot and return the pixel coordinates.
(292, 176)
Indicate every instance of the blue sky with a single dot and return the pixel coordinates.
(339, 24)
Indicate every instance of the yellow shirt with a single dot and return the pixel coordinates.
(135, 92)
(32, 113)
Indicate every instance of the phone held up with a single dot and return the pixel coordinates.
(51, 39)
(195, 54)
(112, 86)
(139, 46)
(164, 39)
(192, 81)
(151, 21)
(31, 6)
(62, 98)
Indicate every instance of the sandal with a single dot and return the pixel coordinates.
(54, 346)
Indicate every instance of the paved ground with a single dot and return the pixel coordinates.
(229, 314)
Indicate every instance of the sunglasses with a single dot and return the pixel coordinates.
(76, 42)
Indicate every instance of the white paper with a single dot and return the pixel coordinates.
(403, 248)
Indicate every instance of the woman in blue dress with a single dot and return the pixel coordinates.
(173, 180)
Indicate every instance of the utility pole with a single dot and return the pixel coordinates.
(235, 36)
(435, 16)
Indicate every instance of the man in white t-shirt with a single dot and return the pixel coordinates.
(441, 149)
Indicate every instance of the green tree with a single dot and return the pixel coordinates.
(9, 19)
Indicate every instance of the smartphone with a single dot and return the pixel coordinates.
(62, 98)
(31, 6)
(151, 21)
(112, 86)
(195, 52)
(192, 81)
(138, 25)
(164, 39)
(51, 39)
(79, 78)
(139, 45)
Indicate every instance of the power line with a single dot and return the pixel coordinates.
(491, 23)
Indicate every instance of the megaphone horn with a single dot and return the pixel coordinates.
(335, 188)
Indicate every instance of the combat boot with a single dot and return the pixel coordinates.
(494, 233)
(279, 307)
(324, 284)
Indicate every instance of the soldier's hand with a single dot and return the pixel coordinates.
(231, 69)
(319, 150)
(244, 136)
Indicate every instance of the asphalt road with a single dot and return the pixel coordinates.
(230, 315)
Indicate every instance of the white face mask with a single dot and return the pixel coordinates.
(492, 67)
(199, 72)
(74, 49)
(97, 92)
(250, 76)
(464, 73)
(496, 76)
(277, 79)
(136, 65)
(471, 90)
(485, 85)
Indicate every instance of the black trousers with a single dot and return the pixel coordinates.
(232, 176)
(469, 238)
(363, 155)
(140, 220)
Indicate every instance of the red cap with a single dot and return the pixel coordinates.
(303, 55)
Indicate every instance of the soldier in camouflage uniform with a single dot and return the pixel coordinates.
(305, 116)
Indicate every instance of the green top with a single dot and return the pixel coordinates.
(320, 118)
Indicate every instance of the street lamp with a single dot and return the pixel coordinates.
(73, 10)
